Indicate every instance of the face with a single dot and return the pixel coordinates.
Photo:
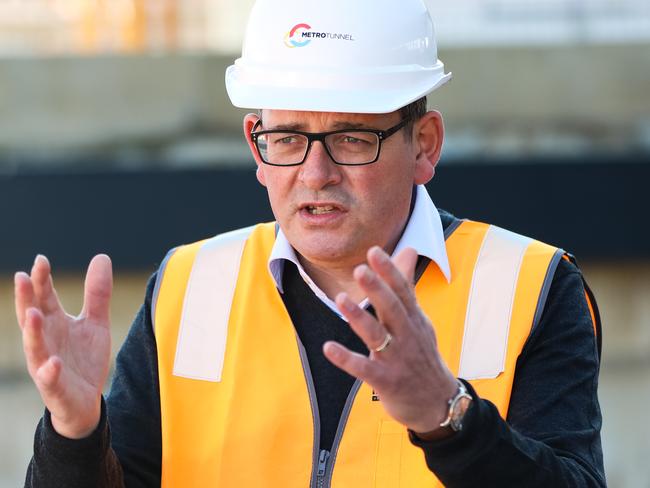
(332, 214)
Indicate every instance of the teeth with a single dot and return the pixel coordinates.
(320, 210)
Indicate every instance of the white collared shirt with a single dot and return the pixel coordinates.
(423, 233)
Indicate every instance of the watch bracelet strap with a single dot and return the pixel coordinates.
(453, 401)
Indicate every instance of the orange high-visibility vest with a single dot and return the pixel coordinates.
(237, 403)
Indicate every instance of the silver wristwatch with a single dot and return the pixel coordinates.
(458, 405)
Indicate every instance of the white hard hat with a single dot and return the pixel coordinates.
(360, 56)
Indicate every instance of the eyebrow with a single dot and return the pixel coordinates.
(336, 126)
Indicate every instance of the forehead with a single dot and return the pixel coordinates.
(325, 120)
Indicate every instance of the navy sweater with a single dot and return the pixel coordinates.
(551, 436)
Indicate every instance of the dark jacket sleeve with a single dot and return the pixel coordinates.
(59, 461)
(125, 449)
(134, 402)
(552, 433)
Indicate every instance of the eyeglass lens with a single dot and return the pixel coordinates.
(350, 147)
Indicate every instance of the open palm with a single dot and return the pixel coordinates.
(67, 357)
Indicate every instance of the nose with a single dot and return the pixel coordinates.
(319, 171)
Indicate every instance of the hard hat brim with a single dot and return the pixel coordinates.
(265, 88)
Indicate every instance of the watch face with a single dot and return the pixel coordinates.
(458, 414)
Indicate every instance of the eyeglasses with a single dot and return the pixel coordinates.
(347, 147)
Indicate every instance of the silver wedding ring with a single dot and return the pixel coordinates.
(384, 345)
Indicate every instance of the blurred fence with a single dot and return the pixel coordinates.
(29, 27)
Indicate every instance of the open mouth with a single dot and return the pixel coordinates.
(320, 210)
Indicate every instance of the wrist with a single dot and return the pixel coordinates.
(80, 428)
(456, 408)
(435, 435)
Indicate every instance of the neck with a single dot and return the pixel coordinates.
(333, 280)
(336, 277)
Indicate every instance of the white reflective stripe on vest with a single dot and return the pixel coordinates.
(489, 309)
(203, 331)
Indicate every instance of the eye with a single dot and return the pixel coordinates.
(286, 139)
(356, 139)
(352, 140)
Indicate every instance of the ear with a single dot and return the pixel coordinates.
(249, 122)
(428, 135)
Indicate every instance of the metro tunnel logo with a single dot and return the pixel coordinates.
(295, 38)
(302, 34)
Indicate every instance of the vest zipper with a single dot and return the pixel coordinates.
(345, 414)
(323, 457)
(315, 481)
(323, 460)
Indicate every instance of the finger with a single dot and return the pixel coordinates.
(34, 344)
(23, 296)
(98, 289)
(390, 310)
(354, 364)
(396, 278)
(44, 292)
(47, 376)
(369, 330)
(405, 262)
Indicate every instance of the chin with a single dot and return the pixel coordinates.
(326, 248)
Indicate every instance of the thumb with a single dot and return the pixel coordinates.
(98, 289)
(405, 262)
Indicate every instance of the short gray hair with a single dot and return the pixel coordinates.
(413, 111)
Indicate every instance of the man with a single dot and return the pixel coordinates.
(325, 350)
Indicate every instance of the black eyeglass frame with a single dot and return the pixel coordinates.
(382, 135)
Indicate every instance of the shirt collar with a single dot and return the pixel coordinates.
(423, 232)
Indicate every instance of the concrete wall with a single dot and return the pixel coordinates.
(621, 290)
(72, 102)
(597, 92)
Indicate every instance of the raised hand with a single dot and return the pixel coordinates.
(409, 375)
(67, 357)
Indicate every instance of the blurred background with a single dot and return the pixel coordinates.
(116, 135)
